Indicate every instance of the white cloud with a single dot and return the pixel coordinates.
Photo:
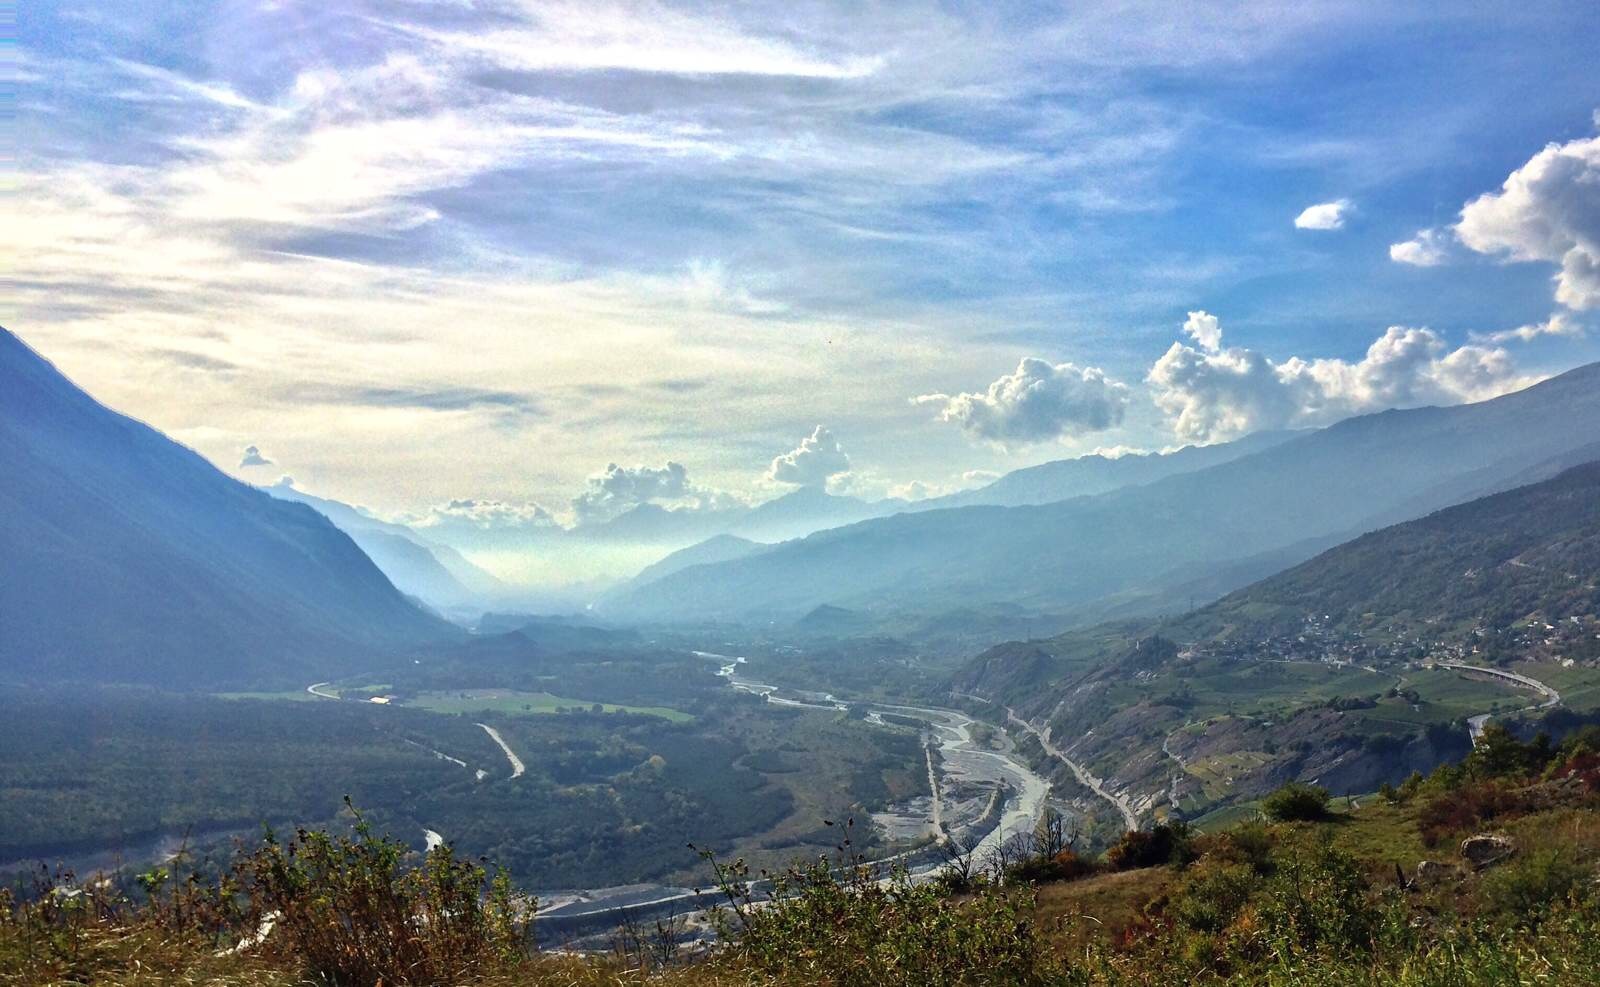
(810, 464)
(579, 37)
(1547, 210)
(484, 515)
(1428, 248)
(253, 457)
(1204, 329)
(1325, 215)
(1039, 402)
(1228, 392)
(1117, 451)
(979, 478)
(619, 488)
(1560, 324)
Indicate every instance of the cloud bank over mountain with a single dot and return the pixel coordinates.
(1211, 392)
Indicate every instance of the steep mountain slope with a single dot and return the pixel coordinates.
(1094, 474)
(417, 567)
(1339, 481)
(1532, 552)
(1492, 561)
(130, 558)
(1312, 673)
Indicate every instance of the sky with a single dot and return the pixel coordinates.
(533, 262)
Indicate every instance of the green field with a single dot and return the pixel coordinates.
(525, 704)
(1445, 696)
(1579, 686)
(1225, 687)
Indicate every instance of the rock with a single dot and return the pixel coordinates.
(1485, 849)
(1433, 872)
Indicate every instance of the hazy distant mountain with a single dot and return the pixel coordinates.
(128, 557)
(831, 621)
(807, 509)
(1089, 475)
(437, 574)
(1360, 474)
(528, 635)
(793, 515)
(657, 525)
(718, 548)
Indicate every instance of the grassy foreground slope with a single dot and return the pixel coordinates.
(1482, 874)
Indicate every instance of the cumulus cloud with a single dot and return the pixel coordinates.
(1324, 215)
(620, 488)
(810, 464)
(1204, 329)
(1547, 210)
(979, 478)
(253, 457)
(1213, 395)
(1428, 248)
(1039, 402)
(1559, 324)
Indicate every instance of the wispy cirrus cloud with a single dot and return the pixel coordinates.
(671, 231)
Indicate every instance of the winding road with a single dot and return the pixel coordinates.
(1475, 724)
(517, 767)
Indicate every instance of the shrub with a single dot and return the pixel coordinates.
(1317, 899)
(847, 924)
(1161, 844)
(1064, 866)
(354, 916)
(1525, 889)
(1213, 894)
(1467, 807)
(1247, 843)
(1297, 802)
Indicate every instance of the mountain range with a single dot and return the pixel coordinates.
(129, 557)
(1533, 551)
(1244, 518)
(431, 571)
(1063, 479)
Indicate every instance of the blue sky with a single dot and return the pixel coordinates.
(422, 253)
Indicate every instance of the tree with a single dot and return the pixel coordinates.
(1297, 802)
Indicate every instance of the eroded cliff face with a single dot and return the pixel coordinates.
(1163, 764)
(1130, 719)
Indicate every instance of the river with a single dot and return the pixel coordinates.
(565, 916)
(961, 760)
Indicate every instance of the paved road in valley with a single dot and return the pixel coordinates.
(517, 766)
